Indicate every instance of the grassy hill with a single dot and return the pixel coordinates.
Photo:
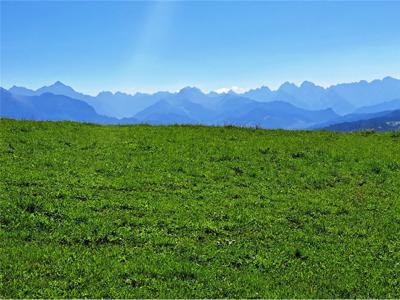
(189, 211)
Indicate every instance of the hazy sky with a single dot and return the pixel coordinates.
(148, 46)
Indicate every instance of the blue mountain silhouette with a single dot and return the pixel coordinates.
(290, 106)
(50, 107)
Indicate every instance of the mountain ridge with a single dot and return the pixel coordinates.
(290, 106)
(343, 98)
(386, 122)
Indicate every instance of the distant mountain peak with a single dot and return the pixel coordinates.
(3, 90)
(19, 90)
(262, 88)
(190, 91)
(260, 94)
(308, 84)
(56, 86)
(265, 88)
(288, 86)
(105, 94)
(391, 79)
(59, 84)
(120, 94)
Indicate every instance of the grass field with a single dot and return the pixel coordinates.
(191, 211)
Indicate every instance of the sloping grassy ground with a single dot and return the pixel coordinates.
(187, 211)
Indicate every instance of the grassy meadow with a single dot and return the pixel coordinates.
(197, 212)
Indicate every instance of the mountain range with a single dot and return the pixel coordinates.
(387, 122)
(306, 106)
(52, 107)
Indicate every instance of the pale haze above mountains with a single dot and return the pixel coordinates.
(289, 107)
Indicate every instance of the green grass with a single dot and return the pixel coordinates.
(191, 211)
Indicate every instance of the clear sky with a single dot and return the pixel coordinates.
(148, 46)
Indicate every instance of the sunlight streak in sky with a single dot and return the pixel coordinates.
(153, 34)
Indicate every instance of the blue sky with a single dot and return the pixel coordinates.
(147, 46)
